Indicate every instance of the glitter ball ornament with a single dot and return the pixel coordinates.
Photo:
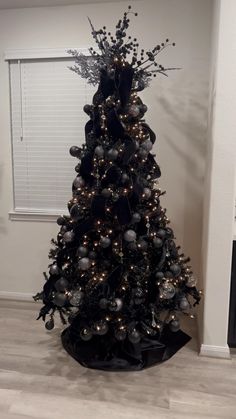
(130, 235)
(105, 242)
(167, 290)
(76, 298)
(134, 111)
(68, 236)
(147, 145)
(84, 264)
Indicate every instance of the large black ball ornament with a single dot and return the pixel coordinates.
(142, 245)
(74, 151)
(174, 325)
(157, 242)
(86, 334)
(120, 334)
(54, 269)
(112, 154)
(75, 212)
(144, 108)
(175, 269)
(68, 236)
(100, 328)
(161, 233)
(103, 303)
(105, 242)
(92, 255)
(159, 275)
(82, 251)
(61, 221)
(130, 235)
(124, 178)
(143, 153)
(134, 336)
(61, 284)
(77, 168)
(84, 264)
(147, 145)
(116, 304)
(88, 109)
(78, 182)
(59, 299)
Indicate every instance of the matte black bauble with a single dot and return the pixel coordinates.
(68, 236)
(75, 212)
(54, 269)
(105, 242)
(88, 109)
(157, 242)
(92, 255)
(161, 233)
(61, 284)
(78, 182)
(136, 217)
(120, 334)
(159, 275)
(59, 299)
(84, 264)
(100, 328)
(103, 303)
(61, 221)
(175, 269)
(106, 193)
(82, 251)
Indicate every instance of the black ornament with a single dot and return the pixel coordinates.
(157, 242)
(74, 151)
(68, 236)
(92, 255)
(100, 328)
(54, 269)
(161, 233)
(105, 242)
(136, 217)
(175, 269)
(134, 336)
(61, 284)
(82, 251)
(86, 334)
(49, 325)
(59, 299)
(120, 334)
(174, 325)
(61, 221)
(116, 304)
(75, 212)
(103, 303)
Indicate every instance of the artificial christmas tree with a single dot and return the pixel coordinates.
(117, 273)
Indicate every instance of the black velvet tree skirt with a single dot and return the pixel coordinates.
(106, 353)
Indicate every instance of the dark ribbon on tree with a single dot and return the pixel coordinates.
(112, 176)
(122, 210)
(130, 148)
(114, 126)
(125, 84)
(98, 207)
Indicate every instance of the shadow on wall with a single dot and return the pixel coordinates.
(185, 113)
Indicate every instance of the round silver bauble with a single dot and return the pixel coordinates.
(76, 298)
(54, 269)
(183, 303)
(82, 251)
(99, 151)
(68, 236)
(105, 242)
(167, 290)
(61, 284)
(134, 111)
(112, 154)
(59, 299)
(147, 145)
(130, 235)
(116, 304)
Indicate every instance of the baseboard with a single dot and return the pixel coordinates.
(215, 351)
(16, 296)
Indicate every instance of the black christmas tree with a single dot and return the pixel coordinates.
(117, 275)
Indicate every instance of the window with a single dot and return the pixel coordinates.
(47, 118)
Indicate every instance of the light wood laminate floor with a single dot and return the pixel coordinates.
(39, 380)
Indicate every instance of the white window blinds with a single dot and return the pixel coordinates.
(47, 116)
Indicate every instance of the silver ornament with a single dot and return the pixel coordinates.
(136, 217)
(68, 236)
(76, 298)
(134, 111)
(191, 282)
(54, 270)
(112, 154)
(167, 290)
(116, 304)
(84, 264)
(78, 182)
(105, 242)
(147, 193)
(99, 151)
(130, 236)
(143, 153)
(175, 269)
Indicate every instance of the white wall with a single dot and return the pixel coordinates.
(177, 113)
(220, 181)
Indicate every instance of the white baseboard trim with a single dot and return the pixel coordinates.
(16, 296)
(215, 351)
